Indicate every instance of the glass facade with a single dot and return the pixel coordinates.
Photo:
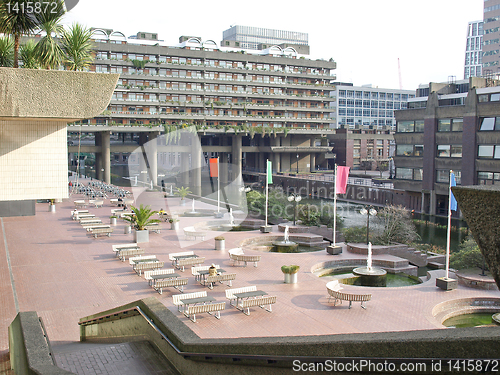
(250, 37)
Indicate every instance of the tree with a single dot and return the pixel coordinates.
(396, 226)
(468, 255)
(6, 51)
(382, 165)
(50, 53)
(15, 22)
(77, 46)
(183, 192)
(141, 217)
(28, 55)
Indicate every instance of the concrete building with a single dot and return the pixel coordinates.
(364, 120)
(491, 38)
(448, 126)
(258, 38)
(246, 107)
(474, 50)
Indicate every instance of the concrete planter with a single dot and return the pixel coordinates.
(290, 278)
(112, 220)
(128, 229)
(334, 250)
(174, 225)
(52, 208)
(446, 283)
(266, 229)
(141, 235)
(220, 244)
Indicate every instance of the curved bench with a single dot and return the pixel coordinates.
(237, 255)
(191, 232)
(351, 297)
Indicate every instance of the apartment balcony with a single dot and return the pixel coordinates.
(300, 149)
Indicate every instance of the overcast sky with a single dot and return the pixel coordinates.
(364, 37)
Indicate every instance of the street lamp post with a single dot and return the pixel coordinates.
(368, 211)
(295, 198)
(297, 163)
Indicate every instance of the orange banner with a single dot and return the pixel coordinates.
(214, 167)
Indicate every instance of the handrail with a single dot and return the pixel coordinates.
(45, 335)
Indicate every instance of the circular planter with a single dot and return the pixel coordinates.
(52, 208)
(291, 278)
(220, 244)
(112, 220)
(174, 225)
(128, 229)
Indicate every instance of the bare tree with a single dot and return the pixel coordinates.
(396, 226)
(382, 165)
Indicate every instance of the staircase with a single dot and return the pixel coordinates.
(5, 363)
(134, 358)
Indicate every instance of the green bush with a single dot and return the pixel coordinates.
(468, 255)
(355, 234)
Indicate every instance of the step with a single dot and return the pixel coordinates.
(138, 357)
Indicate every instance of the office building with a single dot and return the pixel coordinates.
(491, 38)
(363, 117)
(258, 38)
(448, 126)
(474, 50)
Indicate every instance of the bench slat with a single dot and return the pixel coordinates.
(207, 308)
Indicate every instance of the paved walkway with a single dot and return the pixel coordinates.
(48, 264)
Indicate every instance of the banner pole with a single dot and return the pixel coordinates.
(335, 207)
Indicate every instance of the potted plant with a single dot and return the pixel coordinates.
(220, 243)
(290, 273)
(174, 223)
(183, 193)
(139, 220)
(112, 219)
(52, 205)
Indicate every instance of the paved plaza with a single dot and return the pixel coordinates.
(49, 264)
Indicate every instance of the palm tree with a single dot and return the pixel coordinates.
(183, 192)
(28, 55)
(141, 217)
(77, 45)
(48, 49)
(6, 51)
(16, 23)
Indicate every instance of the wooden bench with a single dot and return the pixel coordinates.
(80, 204)
(96, 203)
(170, 283)
(94, 220)
(182, 263)
(122, 246)
(237, 255)
(123, 254)
(209, 308)
(334, 291)
(148, 274)
(90, 227)
(101, 231)
(211, 280)
(145, 266)
(172, 256)
(230, 293)
(176, 298)
(75, 213)
(259, 301)
(194, 270)
(193, 233)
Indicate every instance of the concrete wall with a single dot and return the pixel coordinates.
(33, 160)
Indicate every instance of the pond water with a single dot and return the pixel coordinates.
(393, 280)
(470, 320)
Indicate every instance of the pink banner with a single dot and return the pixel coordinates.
(342, 175)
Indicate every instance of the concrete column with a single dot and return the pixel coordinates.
(98, 156)
(276, 157)
(152, 155)
(237, 159)
(106, 156)
(432, 202)
(143, 169)
(312, 158)
(196, 156)
(223, 170)
(184, 161)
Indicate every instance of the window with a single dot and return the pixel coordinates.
(419, 150)
(456, 151)
(419, 126)
(404, 150)
(490, 123)
(406, 127)
(457, 125)
(443, 151)
(418, 174)
(485, 151)
(444, 125)
(404, 173)
(443, 176)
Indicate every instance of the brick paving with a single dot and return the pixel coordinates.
(63, 274)
(130, 358)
